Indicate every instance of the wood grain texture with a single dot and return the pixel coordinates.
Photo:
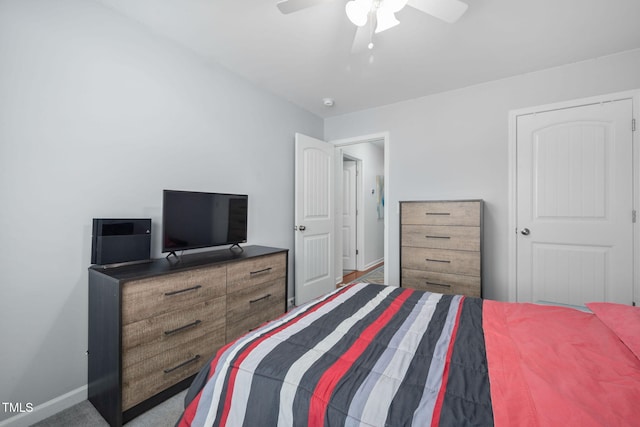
(177, 328)
(443, 283)
(440, 260)
(248, 273)
(248, 308)
(150, 297)
(465, 213)
(254, 320)
(143, 380)
(441, 246)
(441, 237)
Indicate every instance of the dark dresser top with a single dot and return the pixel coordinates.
(160, 266)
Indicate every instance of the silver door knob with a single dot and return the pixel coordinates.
(302, 228)
(525, 232)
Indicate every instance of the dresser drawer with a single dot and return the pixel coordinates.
(249, 308)
(158, 334)
(156, 373)
(245, 274)
(441, 213)
(441, 237)
(150, 297)
(443, 283)
(441, 260)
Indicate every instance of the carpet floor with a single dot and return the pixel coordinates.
(374, 276)
(84, 414)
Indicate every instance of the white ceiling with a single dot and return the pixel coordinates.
(306, 56)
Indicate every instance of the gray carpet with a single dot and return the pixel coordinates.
(374, 276)
(85, 415)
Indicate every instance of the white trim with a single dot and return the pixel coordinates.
(634, 95)
(371, 138)
(373, 264)
(47, 409)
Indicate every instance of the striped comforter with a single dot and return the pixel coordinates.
(365, 355)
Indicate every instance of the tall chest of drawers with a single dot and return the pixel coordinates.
(153, 326)
(441, 246)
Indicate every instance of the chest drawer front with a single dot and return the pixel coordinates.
(154, 335)
(156, 373)
(443, 283)
(441, 237)
(245, 274)
(440, 260)
(442, 213)
(150, 297)
(248, 308)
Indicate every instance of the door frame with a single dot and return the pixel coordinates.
(338, 143)
(634, 95)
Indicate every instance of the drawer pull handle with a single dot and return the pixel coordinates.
(185, 363)
(260, 299)
(182, 328)
(438, 260)
(437, 213)
(193, 288)
(437, 237)
(437, 284)
(264, 270)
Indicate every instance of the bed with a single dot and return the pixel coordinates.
(374, 355)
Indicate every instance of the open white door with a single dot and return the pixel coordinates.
(314, 218)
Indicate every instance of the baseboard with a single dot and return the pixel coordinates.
(47, 409)
(374, 264)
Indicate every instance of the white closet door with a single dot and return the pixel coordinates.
(574, 205)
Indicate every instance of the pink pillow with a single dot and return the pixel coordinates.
(623, 320)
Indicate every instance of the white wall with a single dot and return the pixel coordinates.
(453, 145)
(97, 116)
(371, 242)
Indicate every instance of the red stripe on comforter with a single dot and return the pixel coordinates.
(325, 387)
(437, 410)
(256, 342)
(556, 366)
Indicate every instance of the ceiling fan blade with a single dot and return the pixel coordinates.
(447, 10)
(290, 6)
(361, 39)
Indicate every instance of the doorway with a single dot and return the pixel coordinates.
(360, 228)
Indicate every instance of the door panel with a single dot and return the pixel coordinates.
(314, 218)
(574, 204)
(582, 269)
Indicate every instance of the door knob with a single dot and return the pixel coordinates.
(525, 232)
(302, 228)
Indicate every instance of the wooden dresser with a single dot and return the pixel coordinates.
(441, 246)
(153, 326)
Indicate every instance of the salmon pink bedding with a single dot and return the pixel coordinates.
(557, 366)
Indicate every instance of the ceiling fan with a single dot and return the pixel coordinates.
(380, 14)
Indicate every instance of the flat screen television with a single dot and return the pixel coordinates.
(192, 220)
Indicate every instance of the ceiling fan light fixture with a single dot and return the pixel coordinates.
(358, 11)
(386, 19)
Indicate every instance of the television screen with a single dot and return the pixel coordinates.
(192, 220)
